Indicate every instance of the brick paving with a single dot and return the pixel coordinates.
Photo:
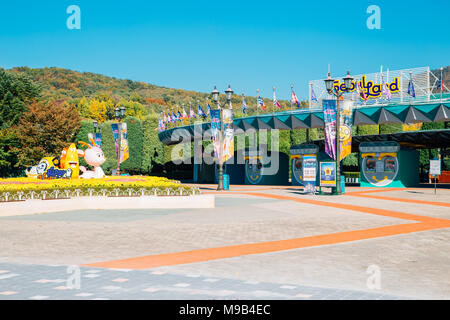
(37, 250)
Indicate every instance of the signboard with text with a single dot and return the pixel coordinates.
(435, 167)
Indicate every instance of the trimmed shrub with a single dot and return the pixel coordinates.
(152, 149)
(108, 147)
(391, 128)
(133, 164)
(87, 126)
(366, 130)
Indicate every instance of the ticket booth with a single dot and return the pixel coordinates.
(266, 168)
(301, 156)
(385, 164)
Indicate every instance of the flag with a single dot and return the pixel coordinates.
(185, 115)
(174, 117)
(294, 99)
(275, 101)
(208, 109)
(261, 103)
(178, 115)
(439, 83)
(244, 105)
(313, 95)
(411, 90)
(192, 113)
(201, 113)
(386, 91)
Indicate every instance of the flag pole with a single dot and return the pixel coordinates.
(273, 101)
(292, 90)
(442, 82)
(412, 84)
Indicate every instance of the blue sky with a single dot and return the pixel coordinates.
(195, 45)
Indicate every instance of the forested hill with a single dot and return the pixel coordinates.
(72, 86)
(80, 88)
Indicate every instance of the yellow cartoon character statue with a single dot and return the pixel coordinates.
(69, 159)
(64, 167)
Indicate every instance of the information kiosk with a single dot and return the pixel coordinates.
(303, 161)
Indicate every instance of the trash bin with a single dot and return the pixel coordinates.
(342, 184)
(226, 182)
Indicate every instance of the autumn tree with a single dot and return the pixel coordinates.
(45, 129)
(97, 110)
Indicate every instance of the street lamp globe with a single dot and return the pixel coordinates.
(116, 112)
(348, 79)
(95, 123)
(329, 83)
(215, 94)
(122, 111)
(229, 93)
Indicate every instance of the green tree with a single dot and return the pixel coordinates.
(9, 150)
(298, 136)
(16, 91)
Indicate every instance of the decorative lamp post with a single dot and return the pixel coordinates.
(215, 95)
(329, 83)
(229, 94)
(95, 123)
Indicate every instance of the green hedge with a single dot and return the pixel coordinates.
(153, 149)
(351, 174)
(108, 147)
(87, 126)
(133, 164)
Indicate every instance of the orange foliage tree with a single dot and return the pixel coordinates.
(45, 129)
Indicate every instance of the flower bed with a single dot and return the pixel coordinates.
(17, 189)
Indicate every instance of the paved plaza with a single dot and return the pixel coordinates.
(259, 242)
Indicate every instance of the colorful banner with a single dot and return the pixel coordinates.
(124, 151)
(98, 139)
(329, 118)
(115, 130)
(215, 131)
(309, 173)
(228, 141)
(328, 174)
(345, 132)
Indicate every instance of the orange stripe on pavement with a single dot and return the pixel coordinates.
(201, 255)
(433, 203)
(209, 254)
(380, 212)
(374, 190)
